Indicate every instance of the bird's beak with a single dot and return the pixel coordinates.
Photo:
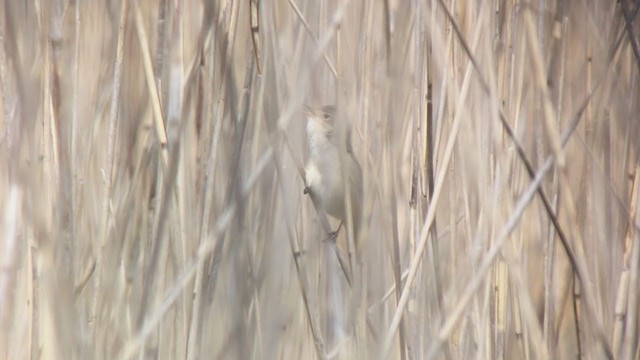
(307, 110)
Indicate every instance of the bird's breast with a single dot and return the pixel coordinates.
(324, 179)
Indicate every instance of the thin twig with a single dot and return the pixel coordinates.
(158, 117)
(628, 20)
(415, 261)
(522, 154)
(224, 220)
(313, 37)
(108, 165)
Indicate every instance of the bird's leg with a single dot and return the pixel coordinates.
(333, 235)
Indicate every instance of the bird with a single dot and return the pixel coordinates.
(324, 177)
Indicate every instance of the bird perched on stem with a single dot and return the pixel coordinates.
(327, 168)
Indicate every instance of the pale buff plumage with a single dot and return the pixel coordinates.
(323, 174)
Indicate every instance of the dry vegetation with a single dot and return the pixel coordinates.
(151, 179)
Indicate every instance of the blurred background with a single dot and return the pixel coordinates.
(151, 179)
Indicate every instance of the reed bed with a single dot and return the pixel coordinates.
(152, 180)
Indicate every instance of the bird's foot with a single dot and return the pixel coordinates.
(333, 235)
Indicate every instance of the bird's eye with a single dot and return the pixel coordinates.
(326, 116)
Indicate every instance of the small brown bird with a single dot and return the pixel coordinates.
(323, 174)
